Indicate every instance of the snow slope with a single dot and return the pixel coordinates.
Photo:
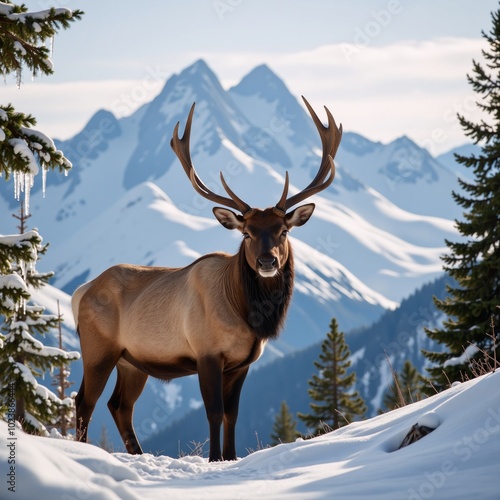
(459, 459)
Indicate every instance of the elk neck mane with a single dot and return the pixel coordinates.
(266, 299)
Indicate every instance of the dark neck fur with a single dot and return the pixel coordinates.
(267, 299)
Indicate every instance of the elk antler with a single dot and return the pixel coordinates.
(181, 149)
(330, 140)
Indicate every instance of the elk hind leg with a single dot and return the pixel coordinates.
(130, 382)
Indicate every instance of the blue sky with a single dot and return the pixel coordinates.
(386, 68)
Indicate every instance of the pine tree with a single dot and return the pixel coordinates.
(23, 151)
(23, 358)
(334, 402)
(285, 427)
(471, 306)
(66, 417)
(23, 36)
(407, 388)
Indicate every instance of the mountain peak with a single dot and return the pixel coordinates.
(404, 141)
(198, 67)
(196, 83)
(261, 81)
(263, 70)
(94, 138)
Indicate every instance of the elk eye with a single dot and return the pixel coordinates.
(246, 236)
(285, 232)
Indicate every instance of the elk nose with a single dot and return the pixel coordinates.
(267, 262)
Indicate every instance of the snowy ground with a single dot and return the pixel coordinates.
(458, 460)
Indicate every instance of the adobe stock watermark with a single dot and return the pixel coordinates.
(407, 163)
(153, 79)
(426, 314)
(224, 7)
(365, 34)
(159, 416)
(11, 443)
(278, 463)
(199, 205)
(439, 135)
(49, 4)
(276, 124)
(464, 449)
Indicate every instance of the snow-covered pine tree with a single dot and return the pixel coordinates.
(285, 427)
(23, 358)
(471, 308)
(335, 403)
(23, 39)
(24, 36)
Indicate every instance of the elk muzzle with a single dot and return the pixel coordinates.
(267, 265)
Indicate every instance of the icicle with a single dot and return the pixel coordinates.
(28, 184)
(22, 267)
(16, 185)
(44, 180)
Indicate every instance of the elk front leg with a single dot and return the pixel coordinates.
(233, 382)
(210, 378)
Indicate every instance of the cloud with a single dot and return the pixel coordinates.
(412, 88)
(62, 109)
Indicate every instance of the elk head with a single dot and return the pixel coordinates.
(265, 231)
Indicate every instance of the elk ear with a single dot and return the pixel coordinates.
(228, 218)
(300, 215)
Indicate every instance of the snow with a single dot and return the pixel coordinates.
(13, 281)
(5, 8)
(459, 459)
(21, 148)
(19, 239)
(40, 15)
(40, 137)
(465, 357)
(18, 46)
(32, 345)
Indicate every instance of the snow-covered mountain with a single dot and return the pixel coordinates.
(376, 235)
(381, 224)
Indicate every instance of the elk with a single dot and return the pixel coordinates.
(212, 317)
